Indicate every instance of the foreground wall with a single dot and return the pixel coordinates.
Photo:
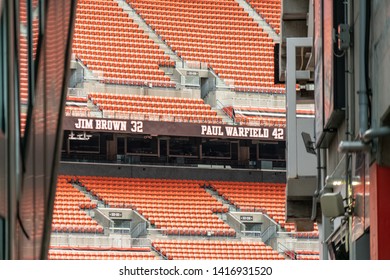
(169, 172)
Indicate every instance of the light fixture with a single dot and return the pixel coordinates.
(309, 144)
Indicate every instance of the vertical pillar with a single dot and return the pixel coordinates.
(379, 212)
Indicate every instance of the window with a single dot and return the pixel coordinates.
(142, 145)
(217, 149)
(92, 145)
(275, 150)
(183, 147)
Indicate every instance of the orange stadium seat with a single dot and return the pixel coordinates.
(270, 10)
(117, 48)
(220, 40)
(215, 249)
(65, 253)
(165, 203)
(160, 108)
(68, 215)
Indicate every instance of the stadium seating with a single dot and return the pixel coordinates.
(173, 206)
(76, 106)
(307, 255)
(155, 108)
(261, 116)
(69, 214)
(268, 198)
(215, 250)
(314, 234)
(110, 43)
(270, 10)
(219, 33)
(101, 254)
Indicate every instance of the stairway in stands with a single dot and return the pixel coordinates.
(163, 46)
(257, 18)
(152, 35)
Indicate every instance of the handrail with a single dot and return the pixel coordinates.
(101, 241)
(268, 233)
(158, 252)
(263, 235)
(220, 106)
(286, 251)
(139, 229)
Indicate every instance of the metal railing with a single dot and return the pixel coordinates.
(119, 230)
(235, 223)
(158, 117)
(294, 242)
(187, 233)
(98, 241)
(79, 92)
(259, 101)
(139, 229)
(270, 232)
(192, 65)
(286, 251)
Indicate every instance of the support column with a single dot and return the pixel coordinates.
(379, 212)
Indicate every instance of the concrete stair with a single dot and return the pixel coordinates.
(89, 195)
(225, 118)
(148, 30)
(261, 22)
(226, 203)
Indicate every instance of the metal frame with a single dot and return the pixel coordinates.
(291, 100)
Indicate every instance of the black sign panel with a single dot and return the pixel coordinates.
(246, 218)
(192, 73)
(174, 128)
(115, 214)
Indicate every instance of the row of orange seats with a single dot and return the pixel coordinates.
(102, 33)
(68, 214)
(134, 182)
(157, 111)
(175, 5)
(96, 19)
(99, 255)
(181, 108)
(181, 27)
(210, 29)
(273, 110)
(161, 117)
(260, 121)
(132, 76)
(151, 104)
(188, 198)
(249, 196)
(145, 98)
(203, 249)
(270, 10)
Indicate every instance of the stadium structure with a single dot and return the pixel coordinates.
(184, 130)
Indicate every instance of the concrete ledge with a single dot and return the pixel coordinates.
(170, 172)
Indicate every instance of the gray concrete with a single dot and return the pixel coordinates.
(380, 67)
(91, 86)
(170, 172)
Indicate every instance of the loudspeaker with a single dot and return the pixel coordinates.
(332, 205)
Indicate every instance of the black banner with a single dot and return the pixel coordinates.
(155, 128)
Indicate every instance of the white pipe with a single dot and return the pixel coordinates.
(363, 100)
(352, 147)
(375, 132)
